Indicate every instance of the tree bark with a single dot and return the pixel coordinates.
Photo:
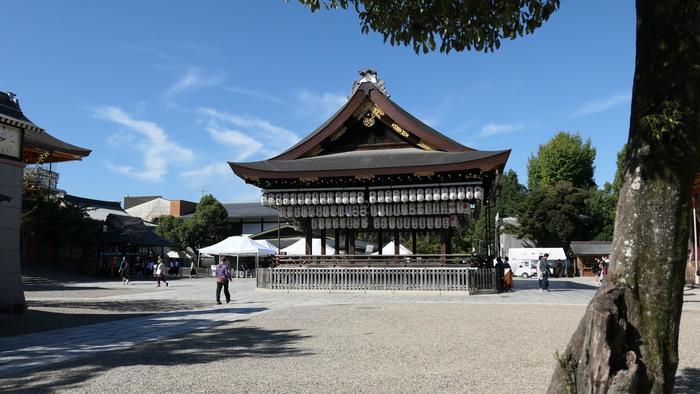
(628, 338)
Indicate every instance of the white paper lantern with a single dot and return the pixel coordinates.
(336, 223)
(312, 211)
(436, 194)
(322, 198)
(379, 210)
(345, 198)
(478, 192)
(412, 208)
(392, 223)
(297, 211)
(404, 195)
(372, 197)
(341, 211)
(343, 222)
(307, 198)
(460, 193)
(445, 222)
(363, 210)
(314, 223)
(420, 208)
(355, 222)
(453, 221)
(399, 223)
(468, 192)
(353, 198)
(444, 207)
(396, 196)
(419, 195)
(444, 194)
(380, 197)
(376, 223)
(360, 197)
(414, 222)
(348, 211)
(285, 199)
(263, 199)
(438, 222)
(453, 193)
(428, 208)
(460, 207)
(421, 222)
(333, 210)
(404, 209)
(304, 211)
(364, 222)
(452, 207)
(387, 196)
(338, 198)
(355, 211)
(326, 211)
(373, 210)
(428, 194)
(429, 222)
(329, 222)
(412, 195)
(397, 210)
(319, 211)
(406, 222)
(278, 199)
(436, 208)
(321, 223)
(385, 223)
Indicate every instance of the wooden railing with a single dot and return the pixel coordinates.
(473, 280)
(343, 260)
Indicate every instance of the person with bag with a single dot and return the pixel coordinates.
(160, 272)
(124, 270)
(223, 276)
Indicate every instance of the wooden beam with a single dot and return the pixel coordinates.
(308, 234)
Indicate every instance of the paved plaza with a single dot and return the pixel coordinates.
(140, 338)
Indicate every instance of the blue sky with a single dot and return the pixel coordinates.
(164, 92)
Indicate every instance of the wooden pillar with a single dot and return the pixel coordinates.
(351, 242)
(347, 241)
(449, 241)
(323, 242)
(413, 242)
(397, 242)
(337, 241)
(379, 241)
(308, 233)
(443, 243)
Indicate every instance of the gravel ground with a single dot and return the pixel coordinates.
(351, 348)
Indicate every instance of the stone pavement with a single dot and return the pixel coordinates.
(42, 349)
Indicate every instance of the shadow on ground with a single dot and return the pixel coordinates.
(688, 380)
(48, 315)
(554, 285)
(216, 344)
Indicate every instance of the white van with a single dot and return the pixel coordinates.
(524, 268)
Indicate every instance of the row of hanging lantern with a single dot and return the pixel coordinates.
(391, 223)
(376, 210)
(380, 196)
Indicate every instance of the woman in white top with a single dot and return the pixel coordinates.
(160, 272)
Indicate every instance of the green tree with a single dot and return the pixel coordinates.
(171, 228)
(600, 208)
(565, 157)
(207, 226)
(554, 216)
(628, 339)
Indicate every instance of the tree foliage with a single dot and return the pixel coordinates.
(554, 216)
(207, 226)
(565, 157)
(446, 25)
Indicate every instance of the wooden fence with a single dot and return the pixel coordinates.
(472, 280)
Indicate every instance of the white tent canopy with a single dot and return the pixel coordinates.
(298, 248)
(388, 249)
(267, 243)
(239, 246)
(534, 253)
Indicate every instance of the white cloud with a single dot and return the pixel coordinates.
(157, 150)
(255, 94)
(319, 105)
(604, 104)
(492, 129)
(194, 78)
(250, 135)
(209, 171)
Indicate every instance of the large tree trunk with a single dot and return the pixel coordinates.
(628, 338)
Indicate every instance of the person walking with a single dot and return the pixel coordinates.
(543, 272)
(508, 276)
(193, 270)
(124, 270)
(223, 276)
(160, 272)
(500, 274)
